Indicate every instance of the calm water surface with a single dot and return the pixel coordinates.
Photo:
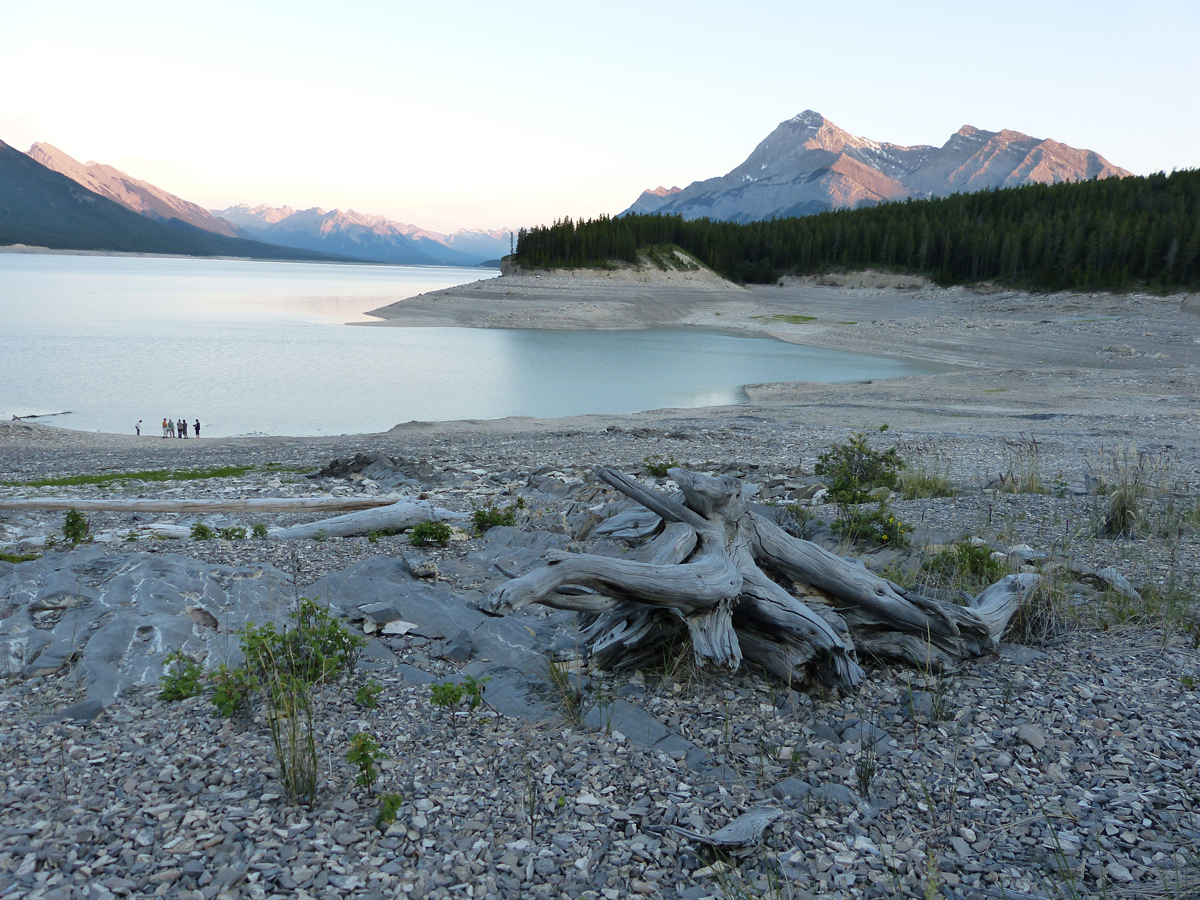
(262, 348)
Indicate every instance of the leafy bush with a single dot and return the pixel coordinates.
(658, 466)
(364, 753)
(389, 806)
(368, 695)
(854, 469)
(259, 531)
(316, 650)
(430, 533)
(879, 527)
(75, 526)
(492, 517)
(285, 666)
(182, 677)
(232, 689)
(448, 695)
(232, 533)
(201, 532)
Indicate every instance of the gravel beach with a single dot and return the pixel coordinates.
(1065, 765)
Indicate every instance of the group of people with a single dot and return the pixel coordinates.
(178, 429)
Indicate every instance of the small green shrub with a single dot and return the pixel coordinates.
(429, 533)
(182, 677)
(201, 532)
(492, 517)
(448, 695)
(75, 527)
(232, 533)
(259, 530)
(317, 649)
(854, 469)
(879, 527)
(389, 807)
(232, 689)
(321, 535)
(364, 753)
(368, 694)
(131, 536)
(657, 466)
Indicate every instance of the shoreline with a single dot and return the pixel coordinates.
(32, 250)
(1122, 364)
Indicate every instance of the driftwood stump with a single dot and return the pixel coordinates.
(717, 571)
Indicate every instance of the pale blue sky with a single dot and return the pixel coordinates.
(495, 114)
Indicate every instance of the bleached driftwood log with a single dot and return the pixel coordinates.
(396, 516)
(717, 572)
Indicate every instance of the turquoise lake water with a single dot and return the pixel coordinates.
(254, 347)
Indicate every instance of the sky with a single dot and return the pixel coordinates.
(491, 115)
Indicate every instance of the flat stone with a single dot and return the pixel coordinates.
(791, 788)
(632, 721)
(1032, 735)
(84, 711)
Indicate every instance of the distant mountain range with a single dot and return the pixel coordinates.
(365, 236)
(348, 235)
(809, 165)
(43, 208)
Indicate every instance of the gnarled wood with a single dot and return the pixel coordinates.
(707, 573)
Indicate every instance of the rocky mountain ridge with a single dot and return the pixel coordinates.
(132, 193)
(809, 165)
(366, 236)
(346, 234)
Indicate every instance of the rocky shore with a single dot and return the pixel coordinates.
(1064, 764)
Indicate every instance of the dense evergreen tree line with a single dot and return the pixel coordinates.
(1110, 234)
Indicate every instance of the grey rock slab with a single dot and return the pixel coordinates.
(631, 720)
(834, 793)
(1032, 735)
(83, 711)
(119, 615)
(791, 788)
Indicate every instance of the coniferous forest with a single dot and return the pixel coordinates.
(1111, 234)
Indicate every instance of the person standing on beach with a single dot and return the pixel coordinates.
(164, 427)
(138, 427)
(170, 428)
(196, 428)
(182, 426)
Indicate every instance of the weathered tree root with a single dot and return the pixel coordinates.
(706, 573)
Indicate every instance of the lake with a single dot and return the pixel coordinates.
(252, 347)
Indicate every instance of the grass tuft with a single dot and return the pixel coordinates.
(151, 475)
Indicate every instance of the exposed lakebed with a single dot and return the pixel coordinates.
(260, 347)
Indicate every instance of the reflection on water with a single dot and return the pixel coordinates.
(253, 347)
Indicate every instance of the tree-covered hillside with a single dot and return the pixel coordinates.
(1112, 234)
